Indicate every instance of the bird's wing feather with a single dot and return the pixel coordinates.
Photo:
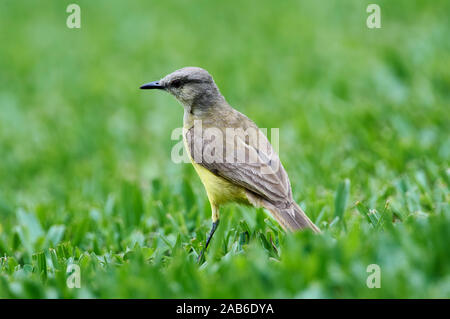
(263, 175)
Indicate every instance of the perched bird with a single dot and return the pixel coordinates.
(242, 168)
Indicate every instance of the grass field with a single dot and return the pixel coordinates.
(86, 175)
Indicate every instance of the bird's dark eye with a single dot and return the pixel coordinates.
(176, 84)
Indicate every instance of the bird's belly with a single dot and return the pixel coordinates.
(219, 190)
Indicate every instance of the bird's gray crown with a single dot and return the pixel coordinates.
(187, 75)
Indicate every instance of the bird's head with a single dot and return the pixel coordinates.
(193, 87)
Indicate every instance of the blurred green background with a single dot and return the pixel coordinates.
(85, 170)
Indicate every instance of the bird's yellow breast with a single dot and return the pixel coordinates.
(219, 190)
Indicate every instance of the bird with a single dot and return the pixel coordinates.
(243, 168)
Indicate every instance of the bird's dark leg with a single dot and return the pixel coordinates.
(211, 233)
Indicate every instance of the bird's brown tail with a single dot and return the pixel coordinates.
(290, 217)
(295, 218)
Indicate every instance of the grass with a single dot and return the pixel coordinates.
(85, 170)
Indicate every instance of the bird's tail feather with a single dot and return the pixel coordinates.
(290, 217)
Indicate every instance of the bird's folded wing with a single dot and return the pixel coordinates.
(253, 166)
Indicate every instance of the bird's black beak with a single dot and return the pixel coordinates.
(152, 86)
